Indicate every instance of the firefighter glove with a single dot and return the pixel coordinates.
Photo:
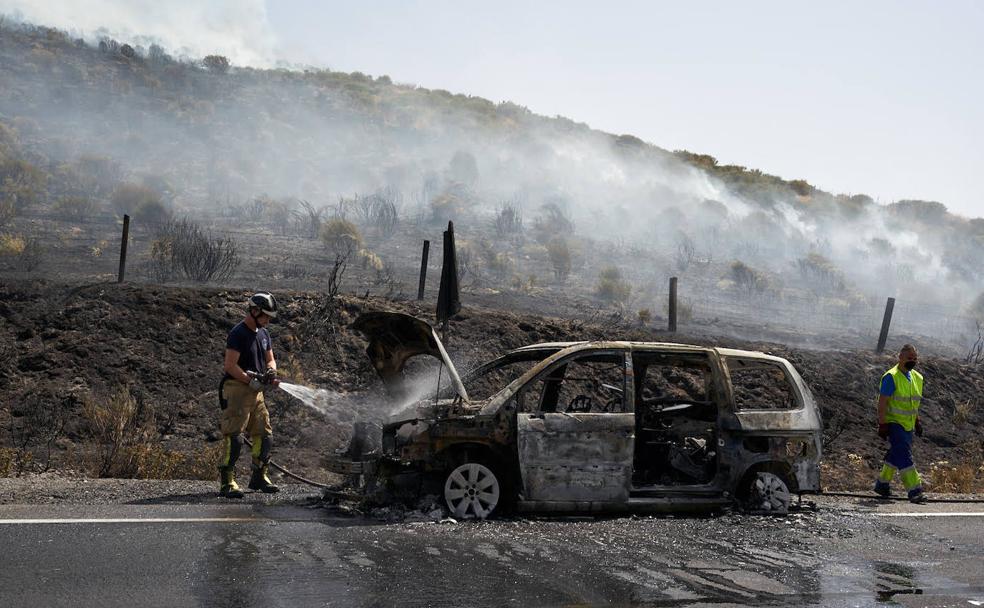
(255, 383)
(919, 428)
(883, 430)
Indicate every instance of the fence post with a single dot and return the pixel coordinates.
(423, 271)
(673, 304)
(126, 238)
(886, 322)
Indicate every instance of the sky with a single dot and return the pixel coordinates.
(878, 97)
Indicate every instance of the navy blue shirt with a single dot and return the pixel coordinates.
(251, 346)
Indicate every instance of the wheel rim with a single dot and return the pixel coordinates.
(471, 491)
(769, 493)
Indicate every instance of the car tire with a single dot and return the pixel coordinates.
(475, 490)
(765, 493)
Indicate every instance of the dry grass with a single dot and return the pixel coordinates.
(962, 412)
(851, 473)
(7, 458)
(202, 464)
(960, 478)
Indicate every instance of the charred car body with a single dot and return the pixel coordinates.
(596, 426)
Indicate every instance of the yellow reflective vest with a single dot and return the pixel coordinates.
(903, 405)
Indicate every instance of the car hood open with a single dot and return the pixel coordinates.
(394, 338)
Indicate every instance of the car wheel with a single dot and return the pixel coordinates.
(472, 491)
(766, 494)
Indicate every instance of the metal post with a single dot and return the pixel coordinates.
(886, 322)
(673, 304)
(423, 271)
(126, 239)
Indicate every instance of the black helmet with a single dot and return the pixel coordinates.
(265, 302)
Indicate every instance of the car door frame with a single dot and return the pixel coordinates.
(577, 459)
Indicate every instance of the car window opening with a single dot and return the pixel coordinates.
(676, 419)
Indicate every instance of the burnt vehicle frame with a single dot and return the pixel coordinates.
(600, 426)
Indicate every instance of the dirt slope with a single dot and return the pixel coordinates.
(67, 344)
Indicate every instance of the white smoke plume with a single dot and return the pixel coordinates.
(237, 29)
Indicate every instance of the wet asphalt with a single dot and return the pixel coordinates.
(848, 553)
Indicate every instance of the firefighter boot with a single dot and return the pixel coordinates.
(260, 481)
(229, 487)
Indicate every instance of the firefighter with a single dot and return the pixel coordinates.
(249, 366)
(898, 419)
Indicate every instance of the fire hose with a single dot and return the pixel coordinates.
(328, 490)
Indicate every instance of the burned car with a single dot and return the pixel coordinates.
(594, 427)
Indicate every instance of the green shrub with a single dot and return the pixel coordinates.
(611, 286)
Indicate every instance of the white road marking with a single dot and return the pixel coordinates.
(936, 514)
(134, 520)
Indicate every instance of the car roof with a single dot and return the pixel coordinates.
(620, 344)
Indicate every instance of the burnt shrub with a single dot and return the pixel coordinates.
(76, 208)
(748, 279)
(182, 248)
(560, 258)
(379, 210)
(508, 221)
(552, 221)
(217, 64)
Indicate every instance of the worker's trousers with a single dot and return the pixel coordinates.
(899, 459)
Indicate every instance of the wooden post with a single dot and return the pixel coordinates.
(126, 239)
(886, 322)
(423, 271)
(673, 305)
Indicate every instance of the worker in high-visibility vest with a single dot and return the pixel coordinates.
(898, 418)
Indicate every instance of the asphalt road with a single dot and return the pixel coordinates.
(848, 553)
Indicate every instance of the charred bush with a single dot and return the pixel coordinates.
(560, 258)
(217, 64)
(685, 252)
(76, 208)
(821, 272)
(380, 210)
(748, 279)
(42, 422)
(553, 220)
(310, 218)
(183, 248)
(508, 221)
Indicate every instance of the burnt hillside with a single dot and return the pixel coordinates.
(70, 345)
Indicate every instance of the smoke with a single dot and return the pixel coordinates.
(222, 140)
(237, 29)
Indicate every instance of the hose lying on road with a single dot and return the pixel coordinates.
(295, 476)
(875, 497)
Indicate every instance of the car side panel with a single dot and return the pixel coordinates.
(576, 457)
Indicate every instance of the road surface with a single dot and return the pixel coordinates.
(850, 552)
